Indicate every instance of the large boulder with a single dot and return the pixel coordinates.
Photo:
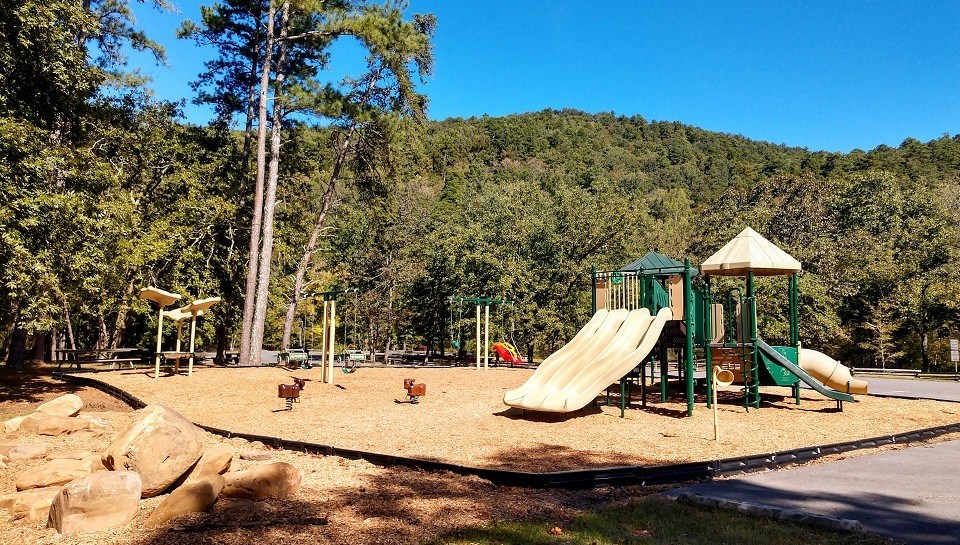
(27, 452)
(49, 424)
(216, 460)
(196, 496)
(65, 405)
(53, 472)
(105, 499)
(160, 445)
(276, 480)
(33, 504)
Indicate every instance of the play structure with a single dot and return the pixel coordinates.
(328, 336)
(505, 350)
(653, 306)
(190, 312)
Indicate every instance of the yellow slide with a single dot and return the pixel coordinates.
(830, 372)
(579, 379)
(598, 330)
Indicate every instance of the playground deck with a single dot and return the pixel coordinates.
(462, 419)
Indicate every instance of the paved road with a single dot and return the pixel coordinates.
(911, 495)
(947, 391)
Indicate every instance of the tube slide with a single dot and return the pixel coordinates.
(830, 372)
(804, 376)
(578, 381)
(596, 329)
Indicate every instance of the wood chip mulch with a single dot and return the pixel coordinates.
(461, 419)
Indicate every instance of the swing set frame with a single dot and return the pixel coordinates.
(328, 337)
(484, 302)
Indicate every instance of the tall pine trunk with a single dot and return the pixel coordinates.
(247, 351)
(270, 198)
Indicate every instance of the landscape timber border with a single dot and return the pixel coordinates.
(573, 479)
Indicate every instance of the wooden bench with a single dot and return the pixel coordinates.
(294, 358)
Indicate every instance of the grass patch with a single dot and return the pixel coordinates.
(655, 521)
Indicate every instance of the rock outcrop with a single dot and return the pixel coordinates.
(33, 504)
(53, 472)
(215, 460)
(65, 405)
(12, 425)
(160, 445)
(105, 499)
(49, 424)
(276, 480)
(27, 452)
(196, 496)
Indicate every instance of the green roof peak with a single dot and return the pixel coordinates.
(657, 264)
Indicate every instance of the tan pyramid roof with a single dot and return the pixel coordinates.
(749, 251)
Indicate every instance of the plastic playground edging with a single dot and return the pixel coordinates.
(574, 479)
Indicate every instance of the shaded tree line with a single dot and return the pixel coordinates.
(304, 184)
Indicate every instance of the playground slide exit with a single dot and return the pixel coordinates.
(581, 378)
(830, 372)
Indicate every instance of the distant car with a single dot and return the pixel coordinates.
(356, 355)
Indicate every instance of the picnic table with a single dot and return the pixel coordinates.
(113, 356)
(177, 356)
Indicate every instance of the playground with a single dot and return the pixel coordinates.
(462, 419)
(660, 340)
(665, 372)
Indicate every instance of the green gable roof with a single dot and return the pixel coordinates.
(654, 263)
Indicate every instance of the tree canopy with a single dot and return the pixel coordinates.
(106, 190)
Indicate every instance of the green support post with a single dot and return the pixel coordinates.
(663, 372)
(623, 396)
(688, 311)
(708, 338)
(796, 309)
(754, 391)
(794, 296)
(643, 383)
(593, 287)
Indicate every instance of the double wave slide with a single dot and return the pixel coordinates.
(607, 348)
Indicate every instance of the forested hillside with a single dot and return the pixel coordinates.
(522, 206)
(106, 190)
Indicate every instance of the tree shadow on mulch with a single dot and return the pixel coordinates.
(242, 521)
(30, 385)
(21, 390)
(548, 458)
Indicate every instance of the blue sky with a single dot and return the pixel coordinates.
(830, 76)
